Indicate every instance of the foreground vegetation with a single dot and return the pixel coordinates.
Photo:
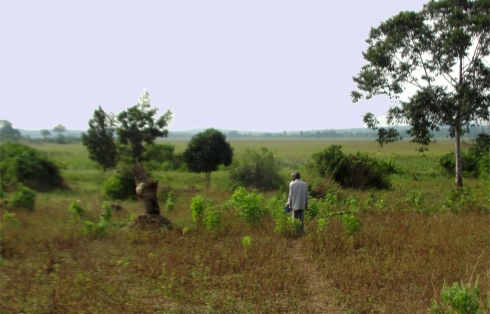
(385, 251)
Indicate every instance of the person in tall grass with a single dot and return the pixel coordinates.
(298, 200)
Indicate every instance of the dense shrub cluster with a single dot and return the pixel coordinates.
(121, 185)
(26, 165)
(163, 157)
(475, 161)
(350, 171)
(256, 169)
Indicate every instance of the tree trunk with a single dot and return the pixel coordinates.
(459, 168)
(208, 179)
(146, 190)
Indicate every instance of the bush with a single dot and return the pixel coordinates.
(162, 157)
(475, 161)
(250, 205)
(469, 161)
(197, 208)
(351, 224)
(351, 171)
(211, 218)
(26, 165)
(256, 169)
(24, 198)
(464, 299)
(121, 185)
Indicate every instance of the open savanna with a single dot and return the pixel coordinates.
(411, 240)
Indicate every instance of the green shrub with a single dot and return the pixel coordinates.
(211, 218)
(322, 225)
(250, 205)
(247, 242)
(121, 185)
(281, 218)
(23, 198)
(99, 228)
(460, 199)
(469, 162)
(464, 299)
(26, 165)
(256, 169)
(197, 208)
(351, 224)
(170, 201)
(351, 171)
(76, 208)
(162, 157)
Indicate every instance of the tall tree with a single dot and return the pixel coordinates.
(138, 127)
(7, 131)
(440, 53)
(100, 139)
(60, 128)
(45, 134)
(206, 151)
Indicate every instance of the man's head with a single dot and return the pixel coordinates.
(296, 175)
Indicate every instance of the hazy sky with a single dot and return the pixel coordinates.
(241, 65)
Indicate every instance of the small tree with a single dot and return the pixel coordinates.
(440, 52)
(206, 151)
(138, 127)
(100, 139)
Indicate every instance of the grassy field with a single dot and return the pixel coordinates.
(411, 239)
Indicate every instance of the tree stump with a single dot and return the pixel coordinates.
(146, 191)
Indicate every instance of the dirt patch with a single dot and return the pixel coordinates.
(322, 294)
(151, 222)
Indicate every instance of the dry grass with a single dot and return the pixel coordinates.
(395, 263)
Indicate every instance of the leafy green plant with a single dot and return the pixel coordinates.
(314, 207)
(351, 224)
(121, 185)
(461, 299)
(250, 205)
(460, 199)
(170, 202)
(76, 209)
(322, 225)
(197, 208)
(415, 199)
(211, 219)
(23, 198)
(281, 218)
(98, 229)
(247, 242)
(8, 218)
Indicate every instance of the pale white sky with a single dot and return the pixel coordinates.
(240, 65)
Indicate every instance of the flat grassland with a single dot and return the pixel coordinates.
(411, 239)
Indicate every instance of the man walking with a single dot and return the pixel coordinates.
(298, 199)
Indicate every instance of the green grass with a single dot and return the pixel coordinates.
(395, 263)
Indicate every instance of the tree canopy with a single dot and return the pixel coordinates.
(7, 131)
(438, 59)
(138, 127)
(100, 140)
(206, 151)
